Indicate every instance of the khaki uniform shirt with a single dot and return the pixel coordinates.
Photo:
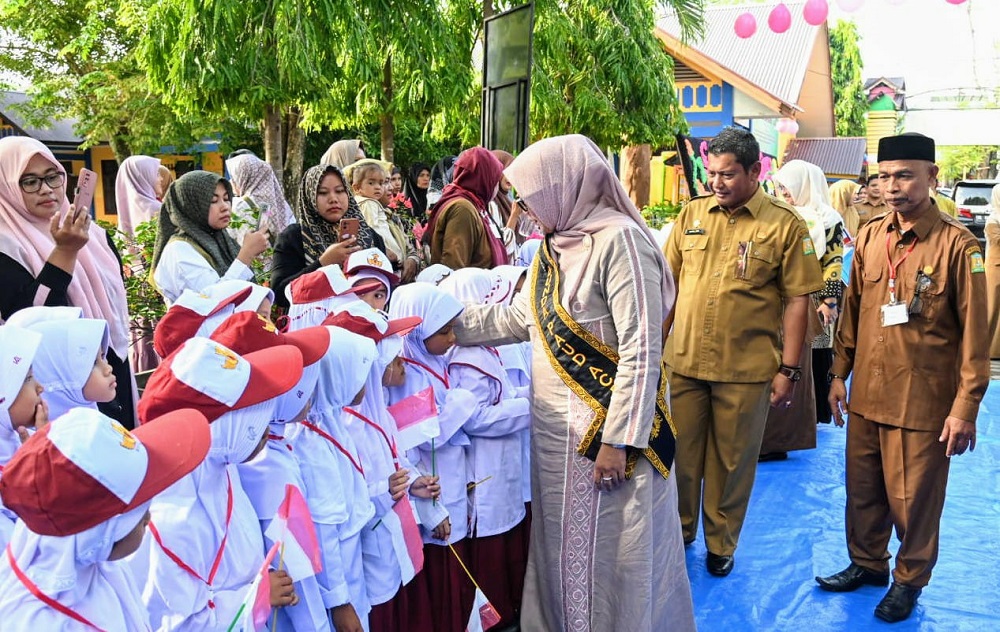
(868, 211)
(936, 364)
(732, 273)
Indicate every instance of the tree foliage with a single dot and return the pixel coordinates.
(849, 105)
(599, 70)
(967, 162)
(79, 58)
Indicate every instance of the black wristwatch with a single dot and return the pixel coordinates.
(831, 376)
(793, 373)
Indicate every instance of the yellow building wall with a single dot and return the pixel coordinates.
(880, 124)
(98, 155)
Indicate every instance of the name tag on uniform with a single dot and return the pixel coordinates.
(894, 314)
(694, 231)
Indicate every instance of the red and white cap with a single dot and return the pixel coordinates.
(319, 285)
(195, 314)
(368, 261)
(85, 468)
(247, 332)
(228, 287)
(214, 379)
(362, 319)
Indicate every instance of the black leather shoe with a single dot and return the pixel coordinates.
(772, 456)
(852, 578)
(719, 565)
(898, 603)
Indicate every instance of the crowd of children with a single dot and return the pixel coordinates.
(410, 453)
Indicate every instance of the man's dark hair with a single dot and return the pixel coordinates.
(240, 152)
(736, 141)
(871, 176)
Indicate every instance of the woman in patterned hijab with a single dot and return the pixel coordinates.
(300, 248)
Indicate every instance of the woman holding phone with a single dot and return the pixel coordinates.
(193, 249)
(330, 228)
(52, 254)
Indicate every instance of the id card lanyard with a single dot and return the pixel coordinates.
(894, 267)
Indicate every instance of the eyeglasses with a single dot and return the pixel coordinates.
(33, 184)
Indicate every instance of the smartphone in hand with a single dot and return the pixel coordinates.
(83, 196)
(350, 226)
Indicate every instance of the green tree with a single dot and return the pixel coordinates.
(408, 61)
(970, 161)
(78, 56)
(849, 103)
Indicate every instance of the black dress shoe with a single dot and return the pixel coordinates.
(898, 603)
(772, 456)
(852, 578)
(719, 565)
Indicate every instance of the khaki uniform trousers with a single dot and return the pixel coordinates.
(895, 478)
(719, 430)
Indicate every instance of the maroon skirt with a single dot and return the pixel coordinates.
(451, 591)
(499, 562)
(408, 611)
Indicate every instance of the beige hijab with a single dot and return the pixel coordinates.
(841, 197)
(569, 186)
(342, 153)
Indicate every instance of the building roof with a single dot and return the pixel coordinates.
(60, 131)
(899, 83)
(835, 156)
(776, 63)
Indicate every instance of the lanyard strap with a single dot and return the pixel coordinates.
(894, 267)
(443, 379)
(222, 546)
(390, 442)
(48, 601)
(343, 450)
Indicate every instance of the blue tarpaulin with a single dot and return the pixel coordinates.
(795, 531)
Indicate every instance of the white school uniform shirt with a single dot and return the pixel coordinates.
(496, 502)
(182, 267)
(335, 492)
(516, 360)
(264, 479)
(455, 405)
(190, 517)
(75, 572)
(65, 360)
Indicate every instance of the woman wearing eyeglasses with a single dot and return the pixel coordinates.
(52, 255)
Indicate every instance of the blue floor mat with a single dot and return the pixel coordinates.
(795, 531)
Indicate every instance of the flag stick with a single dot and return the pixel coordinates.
(232, 626)
(281, 561)
(434, 467)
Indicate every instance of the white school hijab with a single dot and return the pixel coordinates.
(65, 360)
(75, 572)
(191, 519)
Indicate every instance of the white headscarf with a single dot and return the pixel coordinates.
(190, 517)
(806, 184)
(255, 179)
(475, 286)
(65, 360)
(434, 273)
(135, 192)
(74, 571)
(368, 273)
(251, 303)
(341, 153)
(567, 183)
(17, 352)
(40, 313)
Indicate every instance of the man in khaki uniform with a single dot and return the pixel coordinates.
(873, 205)
(745, 267)
(913, 333)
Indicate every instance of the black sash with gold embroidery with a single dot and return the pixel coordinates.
(588, 367)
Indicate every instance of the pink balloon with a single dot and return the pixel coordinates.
(955, 1)
(850, 6)
(815, 12)
(780, 19)
(746, 25)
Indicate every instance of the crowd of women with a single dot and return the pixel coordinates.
(427, 468)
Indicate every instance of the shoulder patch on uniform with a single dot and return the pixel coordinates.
(975, 260)
(807, 246)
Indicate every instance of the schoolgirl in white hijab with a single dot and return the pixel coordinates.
(806, 185)
(314, 296)
(496, 471)
(61, 570)
(333, 473)
(266, 476)
(207, 544)
(20, 400)
(446, 455)
(71, 363)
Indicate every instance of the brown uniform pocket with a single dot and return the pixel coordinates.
(693, 253)
(761, 266)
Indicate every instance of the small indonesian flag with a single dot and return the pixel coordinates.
(406, 541)
(416, 419)
(293, 528)
(484, 616)
(256, 608)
